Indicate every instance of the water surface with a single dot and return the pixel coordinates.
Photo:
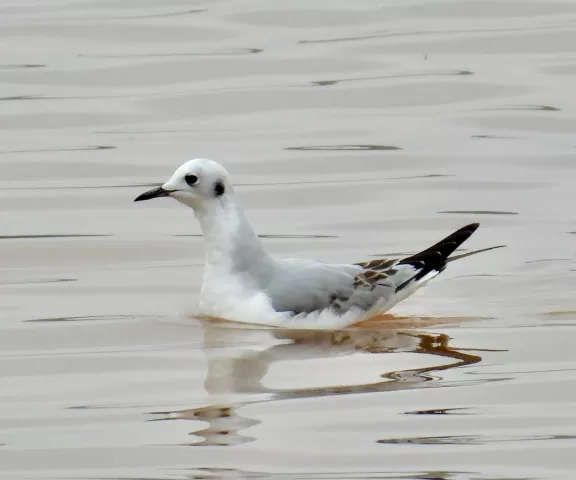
(352, 130)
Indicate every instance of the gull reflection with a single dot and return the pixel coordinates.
(239, 358)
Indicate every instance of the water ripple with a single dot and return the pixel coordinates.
(439, 73)
(345, 147)
(215, 53)
(62, 149)
(479, 212)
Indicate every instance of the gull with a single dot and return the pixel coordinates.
(242, 282)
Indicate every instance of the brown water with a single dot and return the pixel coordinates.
(352, 129)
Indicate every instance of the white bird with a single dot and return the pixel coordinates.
(242, 282)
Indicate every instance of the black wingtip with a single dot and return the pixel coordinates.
(435, 257)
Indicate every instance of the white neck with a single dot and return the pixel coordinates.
(230, 242)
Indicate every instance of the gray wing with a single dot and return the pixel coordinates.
(379, 280)
(305, 286)
(302, 286)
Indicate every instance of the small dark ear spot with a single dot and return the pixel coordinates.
(219, 188)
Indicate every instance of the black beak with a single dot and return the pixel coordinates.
(154, 193)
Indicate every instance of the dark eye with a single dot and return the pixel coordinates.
(191, 179)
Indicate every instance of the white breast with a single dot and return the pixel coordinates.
(235, 297)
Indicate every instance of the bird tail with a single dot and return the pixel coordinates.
(436, 256)
(430, 262)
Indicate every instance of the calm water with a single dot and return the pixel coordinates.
(352, 129)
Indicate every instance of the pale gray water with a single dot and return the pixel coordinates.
(353, 129)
